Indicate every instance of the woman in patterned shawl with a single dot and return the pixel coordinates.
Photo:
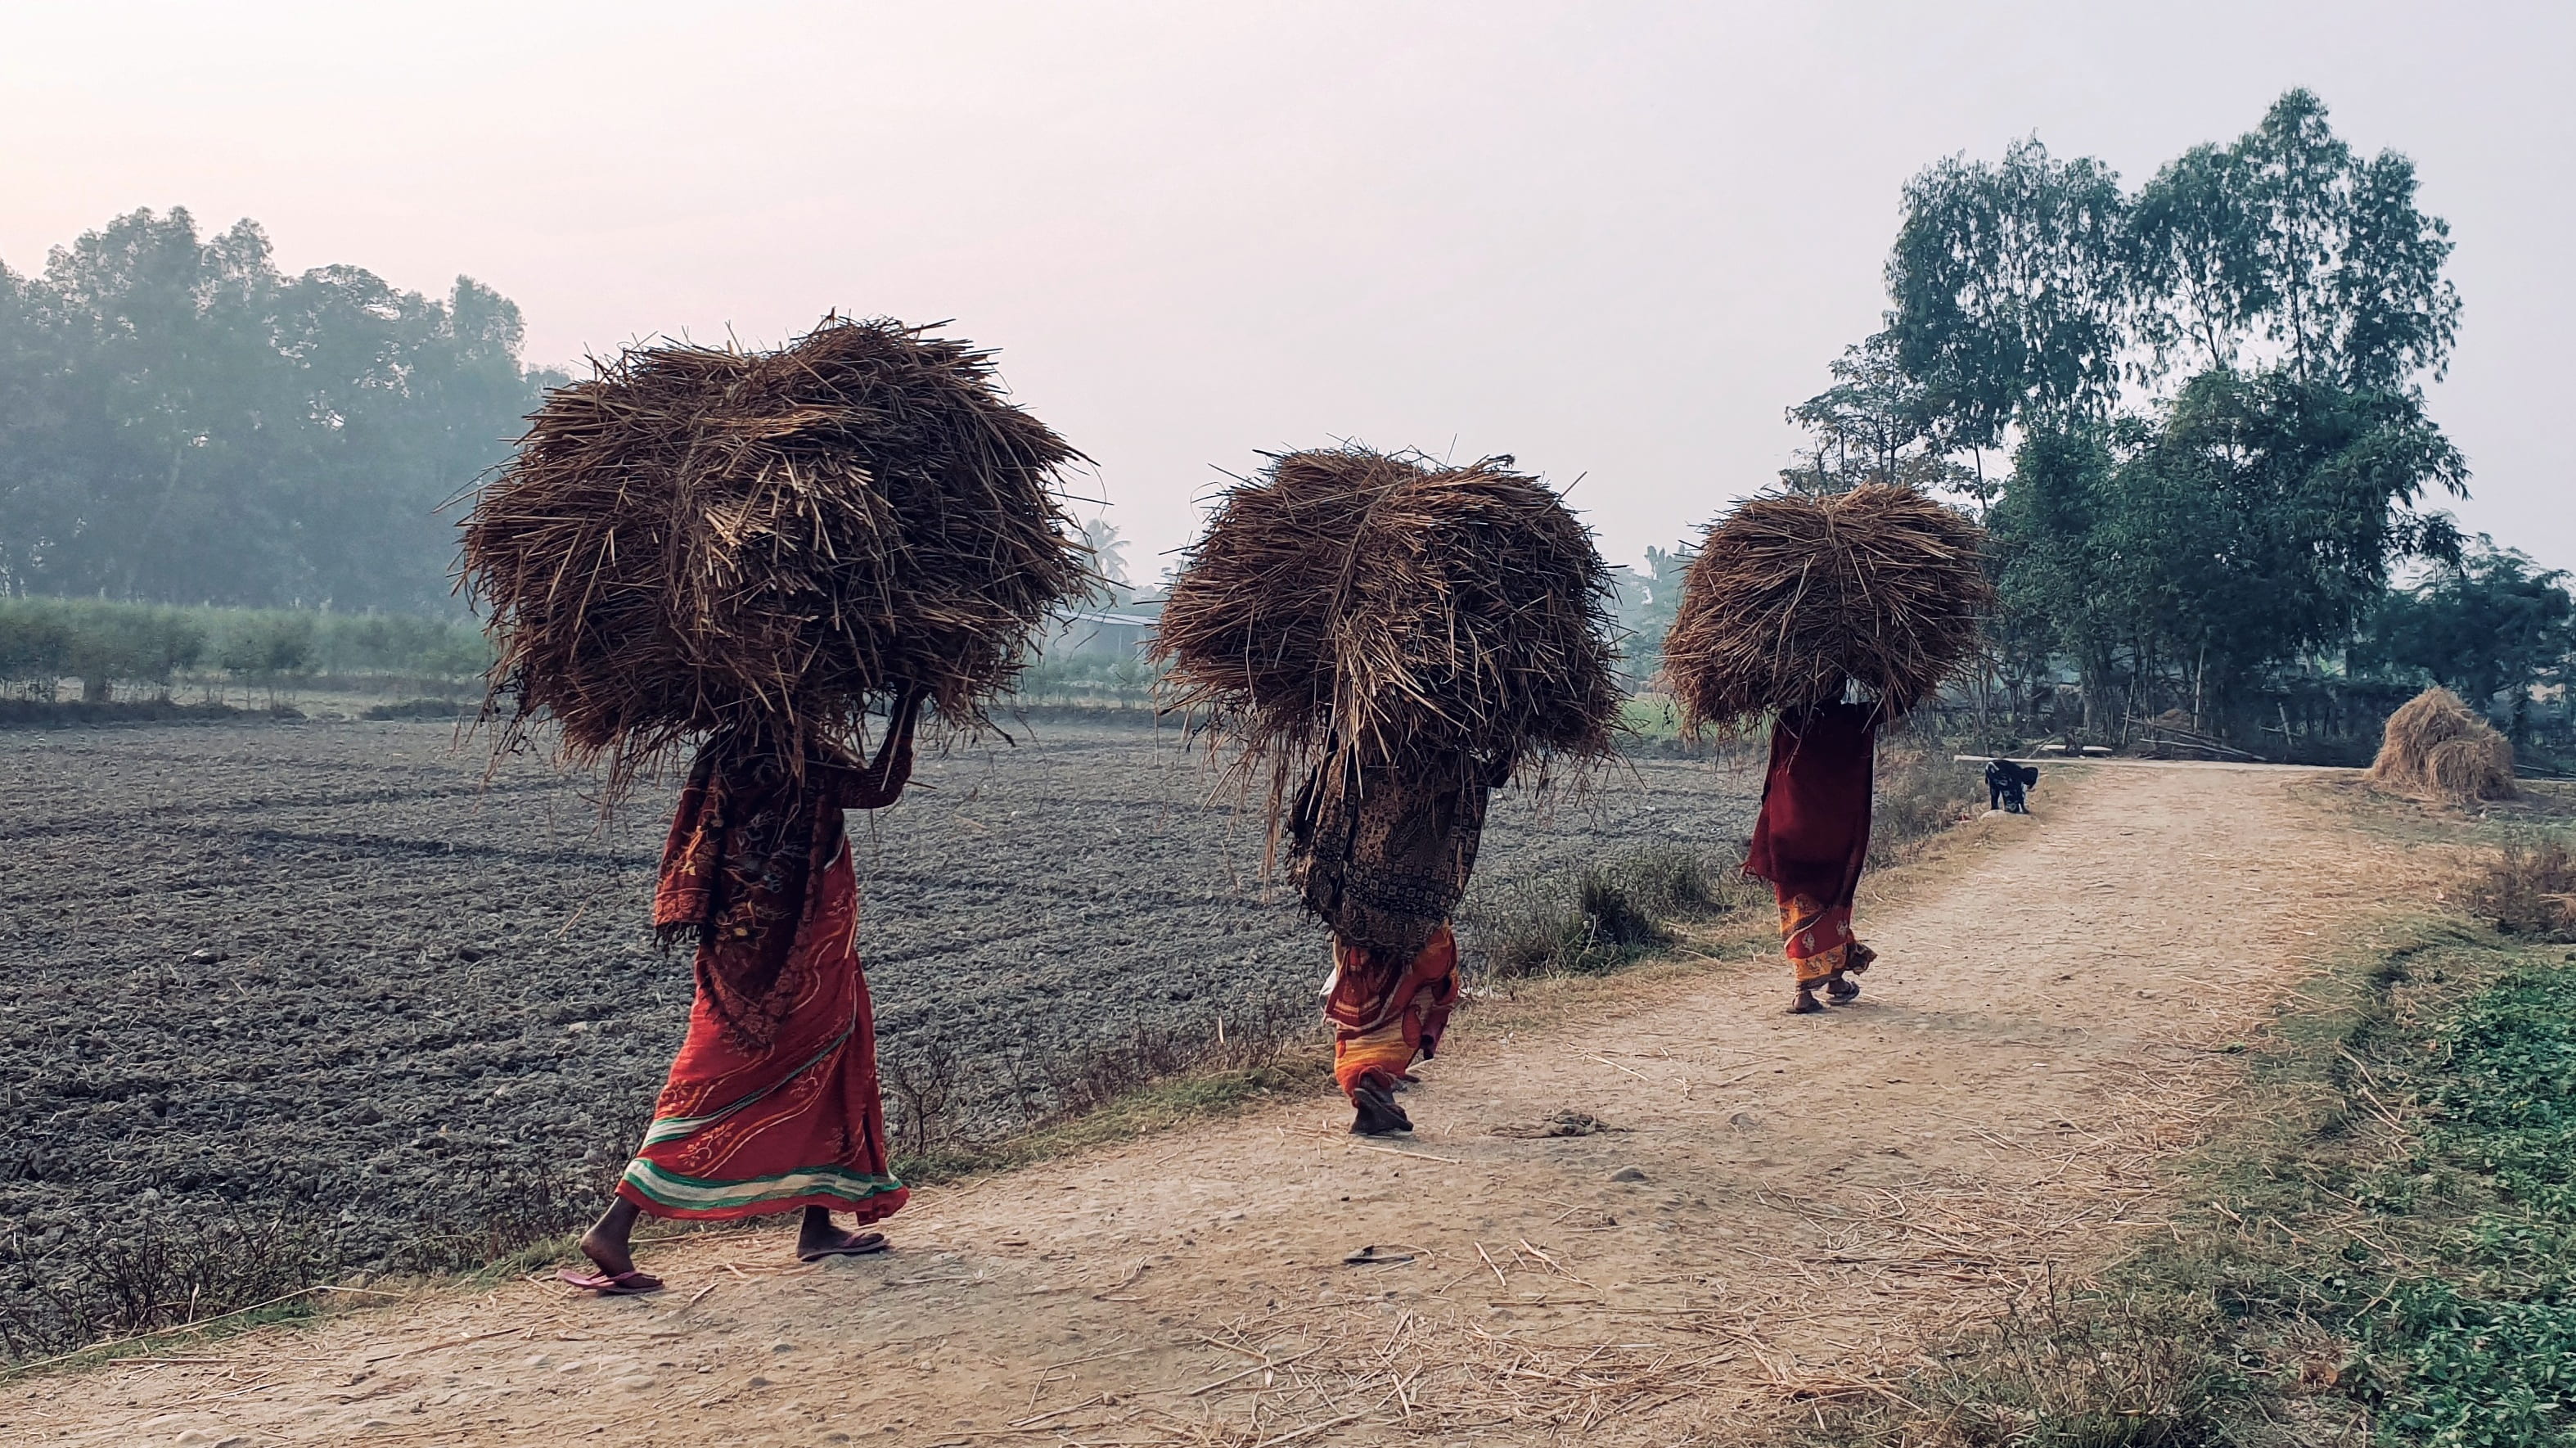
(1812, 838)
(772, 1105)
(1383, 858)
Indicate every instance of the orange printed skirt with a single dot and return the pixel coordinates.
(740, 1133)
(1819, 940)
(1385, 1015)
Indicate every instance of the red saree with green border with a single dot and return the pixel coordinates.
(773, 1103)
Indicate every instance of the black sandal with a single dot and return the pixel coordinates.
(1378, 1113)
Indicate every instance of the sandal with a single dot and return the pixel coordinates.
(610, 1284)
(860, 1245)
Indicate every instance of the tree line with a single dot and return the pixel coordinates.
(2191, 414)
(121, 651)
(182, 422)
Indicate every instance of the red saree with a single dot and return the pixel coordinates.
(1813, 834)
(773, 1102)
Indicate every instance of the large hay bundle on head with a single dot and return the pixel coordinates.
(1790, 596)
(701, 538)
(2437, 747)
(1357, 608)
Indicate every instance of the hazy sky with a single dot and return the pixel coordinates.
(1612, 239)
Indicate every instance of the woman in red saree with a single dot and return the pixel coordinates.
(773, 1103)
(1383, 860)
(1812, 839)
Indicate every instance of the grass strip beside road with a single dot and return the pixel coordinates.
(2381, 1248)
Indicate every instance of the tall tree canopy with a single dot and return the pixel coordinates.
(2211, 387)
(181, 421)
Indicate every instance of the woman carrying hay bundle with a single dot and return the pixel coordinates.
(1834, 616)
(1383, 858)
(1403, 636)
(772, 1104)
(750, 552)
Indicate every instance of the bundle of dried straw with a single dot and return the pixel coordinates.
(1353, 607)
(2437, 747)
(1792, 595)
(697, 538)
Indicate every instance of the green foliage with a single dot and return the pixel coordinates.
(2288, 236)
(1108, 562)
(1649, 601)
(2487, 622)
(2026, 290)
(2249, 521)
(2010, 299)
(1876, 424)
(2488, 1343)
(2279, 295)
(2388, 1253)
(44, 640)
(267, 647)
(185, 422)
(35, 646)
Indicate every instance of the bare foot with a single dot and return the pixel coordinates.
(607, 1244)
(1806, 1004)
(817, 1238)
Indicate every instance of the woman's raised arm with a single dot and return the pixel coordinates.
(881, 784)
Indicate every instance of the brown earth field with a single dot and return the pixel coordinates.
(325, 974)
(1642, 1209)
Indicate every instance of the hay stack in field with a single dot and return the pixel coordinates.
(1353, 607)
(2437, 747)
(1791, 595)
(697, 538)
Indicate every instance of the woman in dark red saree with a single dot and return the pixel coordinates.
(1812, 839)
(773, 1103)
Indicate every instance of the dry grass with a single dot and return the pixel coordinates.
(701, 538)
(1790, 596)
(2438, 748)
(2530, 889)
(1352, 607)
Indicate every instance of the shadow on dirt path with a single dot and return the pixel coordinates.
(1778, 1206)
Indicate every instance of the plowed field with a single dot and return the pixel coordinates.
(327, 969)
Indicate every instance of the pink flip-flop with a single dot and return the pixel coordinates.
(621, 1284)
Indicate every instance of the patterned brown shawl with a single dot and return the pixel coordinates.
(1384, 857)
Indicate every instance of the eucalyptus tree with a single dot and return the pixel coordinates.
(2211, 388)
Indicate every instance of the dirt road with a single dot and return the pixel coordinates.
(1779, 1205)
